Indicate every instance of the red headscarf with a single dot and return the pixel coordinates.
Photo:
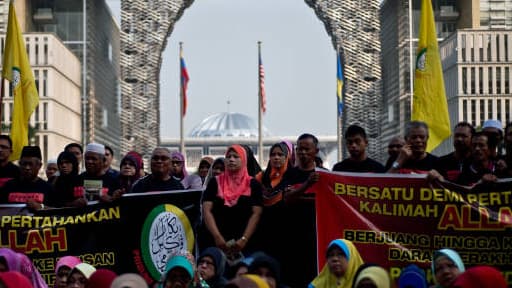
(101, 278)
(481, 277)
(14, 279)
(233, 184)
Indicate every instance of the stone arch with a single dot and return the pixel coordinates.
(352, 25)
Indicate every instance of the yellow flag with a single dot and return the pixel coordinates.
(429, 101)
(16, 69)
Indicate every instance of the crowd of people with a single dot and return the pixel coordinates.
(253, 218)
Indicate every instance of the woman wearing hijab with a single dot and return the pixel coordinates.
(412, 276)
(179, 172)
(446, 267)
(64, 185)
(129, 172)
(210, 266)
(62, 269)
(371, 275)
(480, 277)
(234, 199)
(270, 179)
(80, 275)
(12, 261)
(204, 167)
(343, 260)
(179, 272)
(14, 279)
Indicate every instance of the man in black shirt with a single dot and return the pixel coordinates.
(28, 188)
(8, 170)
(160, 179)
(450, 165)
(356, 141)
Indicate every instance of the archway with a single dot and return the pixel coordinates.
(146, 26)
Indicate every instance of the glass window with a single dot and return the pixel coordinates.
(465, 110)
(463, 46)
(473, 111)
(498, 80)
(464, 80)
(473, 88)
(482, 109)
(498, 108)
(480, 80)
(490, 79)
(45, 82)
(489, 109)
(507, 80)
(498, 48)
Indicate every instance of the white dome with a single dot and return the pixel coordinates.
(227, 125)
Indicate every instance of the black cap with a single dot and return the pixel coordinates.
(31, 151)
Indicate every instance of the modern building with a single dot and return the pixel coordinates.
(57, 120)
(399, 36)
(353, 26)
(477, 65)
(100, 31)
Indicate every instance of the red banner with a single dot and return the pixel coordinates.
(395, 220)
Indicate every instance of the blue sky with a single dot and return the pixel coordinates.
(220, 49)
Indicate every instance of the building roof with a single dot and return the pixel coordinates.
(227, 125)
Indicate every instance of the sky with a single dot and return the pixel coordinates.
(221, 53)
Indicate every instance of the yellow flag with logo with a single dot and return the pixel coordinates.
(429, 101)
(16, 69)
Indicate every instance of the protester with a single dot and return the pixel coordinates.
(66, 183)
(129, 280)
(204, 167)
(395, 144)
(101, 278)
(19, 262)
(51, 170)
(77, 150)
(80, 275)
(8, 170)
(179, 172)
(267, 268)
(371, 276)
(272, 177)
(28, 188)
(253, 167)
(14, 279)
(218, 166)
(412, 277)
(160, 178)
(129, 173)
(446, 267)
(63, 267)
(480, 277)
(211, 265)
(179, 273)
(232, 206)
(494, 131)
(248, 281)
(451, 165)
(356, 143)
(413, 157)
(343, 260)
(107, 166)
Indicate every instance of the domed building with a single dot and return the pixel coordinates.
(217, 132)
(227, 125)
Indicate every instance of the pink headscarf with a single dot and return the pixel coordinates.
(68, 261)
(233, 184)
(180, 156)
(21, 263)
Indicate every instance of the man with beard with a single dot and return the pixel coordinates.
(356, 141)
(450, 165)
(413, 157)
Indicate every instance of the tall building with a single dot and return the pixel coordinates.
(477, 65)
(57, 120)
(353, 26)
(399, 37)
(101, 93)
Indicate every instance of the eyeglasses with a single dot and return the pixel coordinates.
(161, 158)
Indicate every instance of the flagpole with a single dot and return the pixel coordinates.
(339, 118)
(260, 111)
(182, 139)
(2, 94)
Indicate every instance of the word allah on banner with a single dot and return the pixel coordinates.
(396, 220)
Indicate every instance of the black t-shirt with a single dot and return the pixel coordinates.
(233, 220)
(367, 165)
(10, 171)
(424, 165)
(149, 184)
(451, 167)
(19, 191)
(470, 176)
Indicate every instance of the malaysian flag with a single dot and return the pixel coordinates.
(263, 97)
(183, 82)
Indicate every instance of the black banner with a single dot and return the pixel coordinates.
(134, 234)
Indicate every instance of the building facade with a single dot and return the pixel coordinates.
(57, 120)
(477, 67)
(400, 22)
